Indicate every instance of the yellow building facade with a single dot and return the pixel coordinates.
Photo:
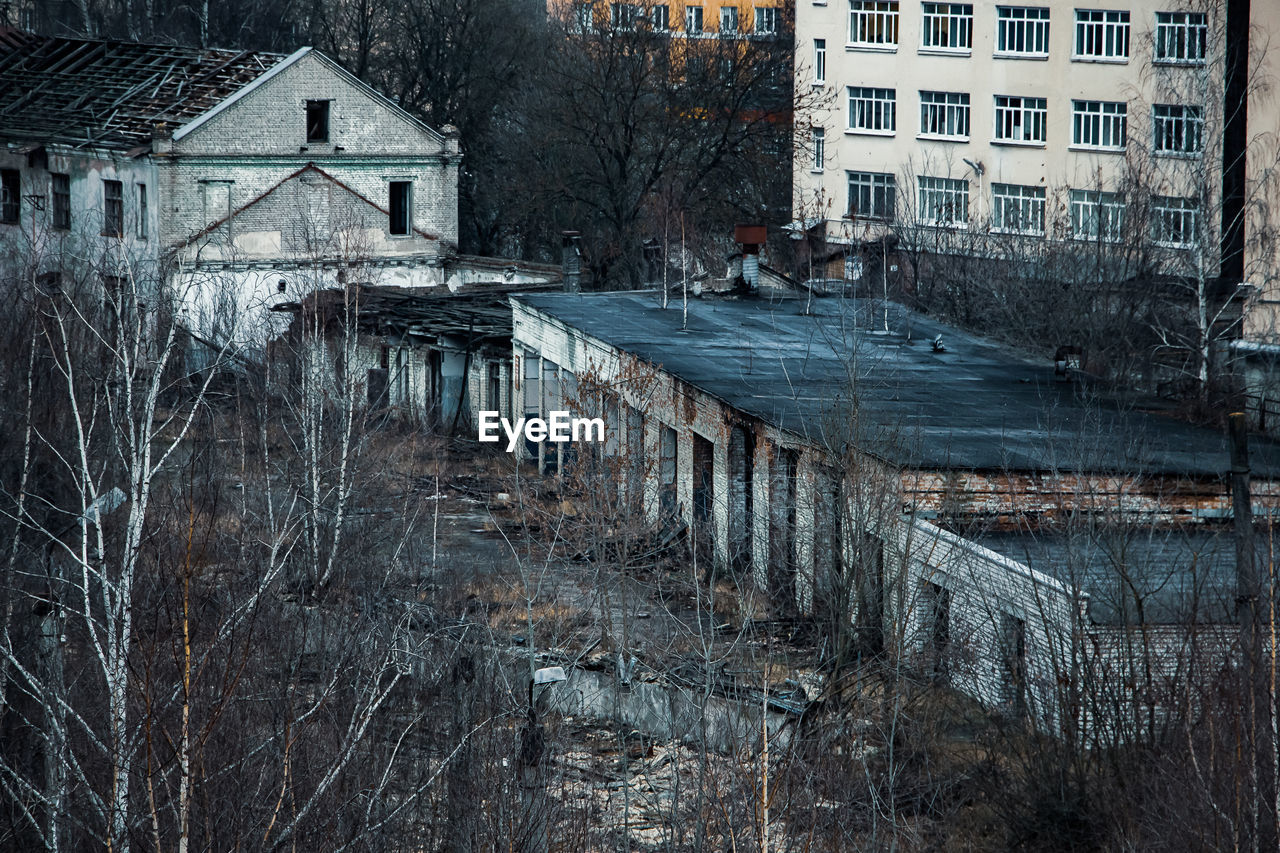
(761, 18)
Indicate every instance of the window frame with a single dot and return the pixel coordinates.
(660, 17)
(880, 186)
(143, 226)
(1039, 26)
(406, 185)
(1000, 199)
(1191, 33)
(690, 13)
(112, 208)
(952, 20)
(1183, 208)
(1189, 124)
(885, 14)
(818, 139)
(947, 109)
(319, 108)
(770, 16)
(1103, 213)
(10, 196)
(60, 201)
(1031, 112)
(729, 24)
(819, 62)
(1087, 21)
(873, 106)
(1102, 120)
(955, 192)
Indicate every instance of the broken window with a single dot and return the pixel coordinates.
(667, 474)
(60, 187)
(317, 121)
(494, 393)
(142, 211)
(10, 195)
(938, 613)
(399, 206)
(112, 209)
(741, 497)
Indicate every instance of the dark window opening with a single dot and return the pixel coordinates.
(61, 192)
(400, 192)
(435, 386)
(939, 614)
(317, 121)
(112, 209)
(142, 211)
(704, 499)
(10, 195)
(635, 456)
(1013, 638)
(667, 451)
(869, 562)
(495, 388)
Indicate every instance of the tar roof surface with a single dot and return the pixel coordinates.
(109, 94)
(974, 406)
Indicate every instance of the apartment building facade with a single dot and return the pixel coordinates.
(1098, 121)
(718, 18)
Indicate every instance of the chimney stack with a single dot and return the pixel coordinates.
(571, 260)
(750, 238)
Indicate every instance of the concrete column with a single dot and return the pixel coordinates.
(760, 519)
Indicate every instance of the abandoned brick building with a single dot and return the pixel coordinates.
(242, 178)
(975, 512)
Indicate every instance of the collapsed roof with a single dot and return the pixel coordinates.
(110, 94)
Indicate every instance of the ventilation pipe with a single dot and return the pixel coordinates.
(750, 238)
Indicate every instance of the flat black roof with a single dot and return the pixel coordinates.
(976, 405)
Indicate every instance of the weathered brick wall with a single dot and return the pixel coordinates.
(260, 139)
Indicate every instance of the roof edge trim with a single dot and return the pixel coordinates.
(258, 81)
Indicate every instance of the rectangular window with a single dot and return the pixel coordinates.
(60, 186)
(1022, 30)
(1096, 215)
(872, 109)
(401, 200)
(948, 26)
(819, 60)
(1013, 642)
(583, 18)
(1181, 37)
(10, 196)
(1102, 34)
(1174, 221)
(142, 211)
(873, 23)
(623, 16)
(728, 19)
(1017, 209)
(1177, 129)
(692, 20)
(1098, 124)
(944, 201)
(317, 121)
(767, 19)
(112, 209)
(872, 195)
(944, 114)
(661, 18)
(819, 148)
(1020, 119)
